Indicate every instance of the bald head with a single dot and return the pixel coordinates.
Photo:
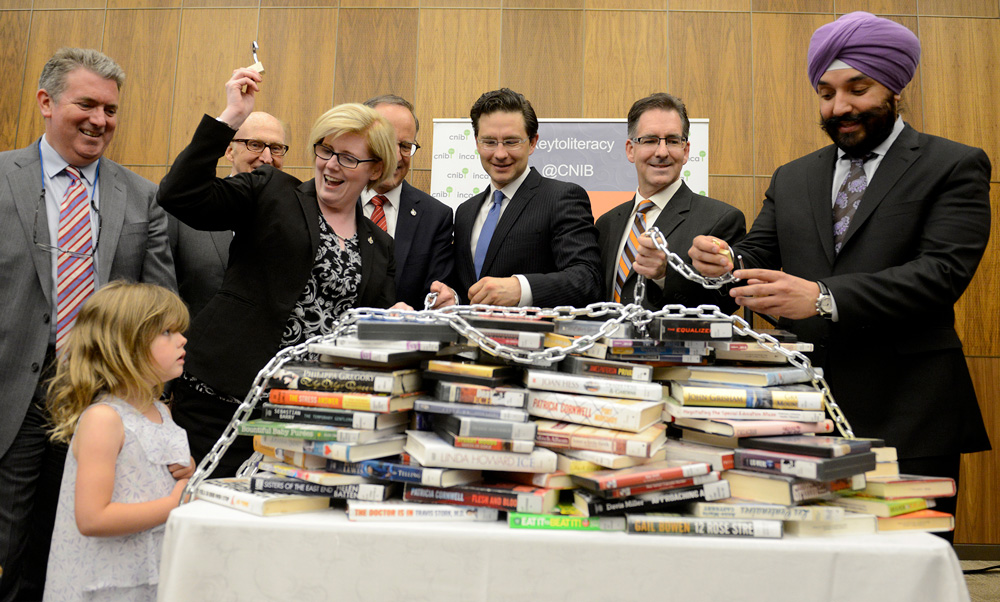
(260, 127)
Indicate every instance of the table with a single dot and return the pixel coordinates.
(217, 554)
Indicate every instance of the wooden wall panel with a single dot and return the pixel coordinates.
(960, 79)
(51, 30)
(733, 6)
(542, 57)
(647, 6)
(449, 80)
(558, 4)
(220, 3)
(144, 43)
(626, 57)
(205, 61)
(379, 3)
(979, 500)
(965, 8)
(15, 4)
(879, 7)
(129, 4)
(373, 54)
(420, 179)
(977, 314)
(301, 73)
(709, 71)
(793, 6)
(14, 33)
(74, 4)
(460, 3)
(786, 110)
(911, 103)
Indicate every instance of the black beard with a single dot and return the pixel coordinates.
(876, 125)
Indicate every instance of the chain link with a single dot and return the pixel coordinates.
(454, 316)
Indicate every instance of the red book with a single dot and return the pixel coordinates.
(642, 474)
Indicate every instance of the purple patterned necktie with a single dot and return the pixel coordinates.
(848, 199)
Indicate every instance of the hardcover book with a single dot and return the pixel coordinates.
(642, 474)
(675, 328)
(810, 445)
(470, 369)
(402, 330)
(578, 327)
(316, 432)
(753, 428)
(502, 496)
(584, 366)
(699, 394)
(588, 503)
(484, 443)
(606, 387)
(713, 527)
(756, 376)
(420, 475)
(737, 508)
(602, 459)
(465, 409)
(330, 377)
(524, 324)
(521, 520)
(366, 402)
(566, 435)
(780, 489)
(367, 357)
(345, 452)
(634, 490)
(620, 414)
(358, 510)
(513, 397)
(674, 409)
(684, 451)
(351, 419)
(429, 450)
(236, 493)
(802, 466)
(469, 426)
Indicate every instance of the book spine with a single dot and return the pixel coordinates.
(617, 480)
(582, 366)
(460, 497)
(351, 468)
(391, 345)
(279, 413)
(476, 394)
(748, 398)
(796, 467)
(475, 411)
(749, 429)
(713, 527)
(658, 500)
(595, 442)
(521, 520)
(368, 511)
(569, 383)
(342, 436)
(486, 443)
(500, 429)
(463, 369)
(402, 473)
(451, 457)
(358, 491)
(586, 409)
(691, 329)
(246, 502)
(341, 380)
(513, 338)
(712, 412)
(660, 486)
(346, 401)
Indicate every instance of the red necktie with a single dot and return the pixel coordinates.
(378, 215)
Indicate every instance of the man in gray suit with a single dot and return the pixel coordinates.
(78, 97)
(201, 257)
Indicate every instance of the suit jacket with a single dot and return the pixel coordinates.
(133, 245)
(200, 259)
(686, 215)
(546, 233)
(423, 241)
(893, 359)
(276, 221)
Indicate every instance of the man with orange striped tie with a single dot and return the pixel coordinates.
(658, 145)
(70, 221)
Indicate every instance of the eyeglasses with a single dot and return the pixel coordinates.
(408, 148)
(50, 248)
(326, 153)
(258, 146)
(508, 143)
(650, 142)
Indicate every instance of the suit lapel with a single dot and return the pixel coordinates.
(465, 217)
(820, 187)
(515, 207)
(407, 220)
(900, 156)
(26, 191)
(111, 198)
(618, 221)
(672, 216)
(366, 247)
(222, 240)
(306, 193)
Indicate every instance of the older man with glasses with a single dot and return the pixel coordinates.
(200, 257)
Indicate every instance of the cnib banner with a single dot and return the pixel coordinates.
(588, 152)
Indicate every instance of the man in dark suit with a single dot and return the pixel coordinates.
(526, 240)
(421, 226)
(201, 257)
(863, 248)
(657, 144)
(78, 98)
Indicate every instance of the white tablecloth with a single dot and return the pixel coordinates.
(218, 554)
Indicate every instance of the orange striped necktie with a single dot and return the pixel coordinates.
(75, 262)
(629, 250)
(378, 214)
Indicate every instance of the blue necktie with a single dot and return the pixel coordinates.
(487, 232)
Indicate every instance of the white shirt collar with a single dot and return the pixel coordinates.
(393, 195)
(661, 198)
(54, 164)
(511, 189)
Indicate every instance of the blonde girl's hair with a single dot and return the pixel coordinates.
(355, 118)
(109, 350)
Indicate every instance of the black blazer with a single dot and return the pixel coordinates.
(546, 233)
(200, 259)
(423, 241)
(893, 359)
(276, 221)
(686, 215)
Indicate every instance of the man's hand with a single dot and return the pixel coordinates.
(776, 293)
(239, 104)
(446, 295)
(649, 261)
(707, 256)
(496, 291)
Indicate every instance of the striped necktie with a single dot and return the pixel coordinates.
(629, 250)
(378, 214)
(75, 263)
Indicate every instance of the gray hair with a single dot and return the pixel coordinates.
(67, 60)
(392, 99)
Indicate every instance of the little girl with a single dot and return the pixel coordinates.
(128, 462)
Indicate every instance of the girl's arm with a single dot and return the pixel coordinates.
(99, 439)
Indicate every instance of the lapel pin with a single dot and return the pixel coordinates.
(370, 241)
(413, 212)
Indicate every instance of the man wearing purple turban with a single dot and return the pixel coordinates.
(863, 247)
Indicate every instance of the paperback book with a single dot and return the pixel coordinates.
(236, 493)
(699, 394)
(366, 402)
(674, 409)
(713, 527)
(521, 520)
(358, 510)
(566, 435)
(316, 432)
(420, 475)
(351, 419)
(584, 366)
(652, 472)
(809, 445)
(428, 449)
(737, 508)
(806, 467)
(606, 387)
(588, 503)
(345, 452)
(283, 484)
(753, 428)
(757, 376)
(471, 410)
(502, 496)
(614, 413)
(514, 397)
(328, 377)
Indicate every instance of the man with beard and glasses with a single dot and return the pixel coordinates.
(863, 247)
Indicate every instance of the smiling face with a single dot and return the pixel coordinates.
(258, 126)
(167, 352)
(338, 187)
(660, 166)
(81, 122)
(857, 112)
(504, 165)
(406, 131)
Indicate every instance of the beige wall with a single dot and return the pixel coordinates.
(740, 63)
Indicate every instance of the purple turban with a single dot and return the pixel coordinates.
(881, 49)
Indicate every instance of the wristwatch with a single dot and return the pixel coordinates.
(824, 302)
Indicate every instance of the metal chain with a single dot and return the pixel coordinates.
(634, 313)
